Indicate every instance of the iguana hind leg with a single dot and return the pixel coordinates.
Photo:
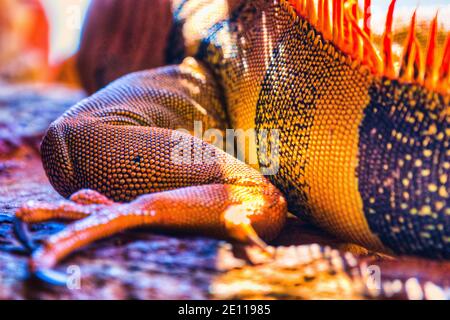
(223, 211)
(121, 143)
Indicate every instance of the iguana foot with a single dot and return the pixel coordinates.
(99, 217)
(79, 206)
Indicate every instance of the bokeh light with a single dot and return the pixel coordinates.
(65, 19)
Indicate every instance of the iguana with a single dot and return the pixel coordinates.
(347, 137)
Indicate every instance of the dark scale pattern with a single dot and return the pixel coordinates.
(297, 109)
(239, 50)
(315, 97)
(404, 168)
(175, 50)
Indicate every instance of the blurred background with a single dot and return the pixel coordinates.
(39, 38)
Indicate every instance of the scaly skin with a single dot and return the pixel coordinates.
(347, 161)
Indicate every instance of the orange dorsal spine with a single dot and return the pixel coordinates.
(406, 72)
(357, 45)
(430, 65)
(418, 70)
(387, 43)
(339, 22)
(311, 11)
(444, 70)
(327, 27)
(366, 27)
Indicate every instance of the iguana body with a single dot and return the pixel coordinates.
(364, 157)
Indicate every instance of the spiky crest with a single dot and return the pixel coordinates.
(348, 27)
